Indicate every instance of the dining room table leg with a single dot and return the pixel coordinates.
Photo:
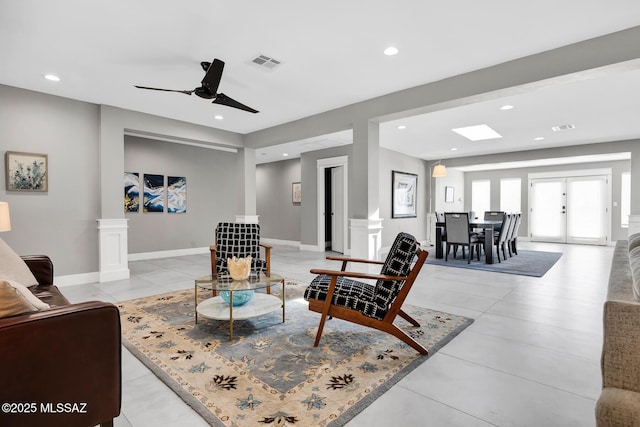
(488, 245)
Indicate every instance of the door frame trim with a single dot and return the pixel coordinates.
(323, 164)
(569, 174)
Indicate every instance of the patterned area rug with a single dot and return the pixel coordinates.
(270, 374)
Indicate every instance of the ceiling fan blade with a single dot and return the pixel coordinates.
(188, 92)
(213, 76)
(223, 99)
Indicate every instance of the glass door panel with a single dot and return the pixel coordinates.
(548, 210)
(586, 210)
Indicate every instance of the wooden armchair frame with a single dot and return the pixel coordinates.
(326, 308)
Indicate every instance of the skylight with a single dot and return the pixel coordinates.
(477, 133)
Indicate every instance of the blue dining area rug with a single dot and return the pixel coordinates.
(526, 263)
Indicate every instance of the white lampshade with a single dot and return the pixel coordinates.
(439, 171)
(5, 220)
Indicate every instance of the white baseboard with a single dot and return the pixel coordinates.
(80, 279)
(76, 279)
(280, 242)
(167, 254)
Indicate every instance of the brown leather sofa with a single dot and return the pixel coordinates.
(61, 366)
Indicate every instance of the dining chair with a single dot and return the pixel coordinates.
(443, 231)
(512, 243)
(495, 216)
(239, 240)
(458, 234)
(337, 293)
(500, 239)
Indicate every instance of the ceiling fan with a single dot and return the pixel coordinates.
(209, 88)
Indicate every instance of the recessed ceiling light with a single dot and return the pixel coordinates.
(477, 133)
(390, 51)
(507, 107)
(285, 154)
(401, 127)
(454, 149)
(52, 77)
(538, 138)
(562, 127)
(218, 117)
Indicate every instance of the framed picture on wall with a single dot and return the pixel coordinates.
(404, 192)
(26, 171)
(448, 194)
(176, 194)
(296, 192)
(154, 193)
(131, 192)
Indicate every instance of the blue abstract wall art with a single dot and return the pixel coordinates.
(131, 192)
(176, 194)
(153, 193)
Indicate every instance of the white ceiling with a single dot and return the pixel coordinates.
(331, 55)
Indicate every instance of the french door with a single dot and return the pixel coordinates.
(569, 210)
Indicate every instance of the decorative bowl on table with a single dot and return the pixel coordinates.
(239, 297)
(239, 268)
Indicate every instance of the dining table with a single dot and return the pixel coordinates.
(486, 225)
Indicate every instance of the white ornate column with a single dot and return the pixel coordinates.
(366, 238)
(112, 234)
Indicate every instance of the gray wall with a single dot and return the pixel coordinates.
(390, 161)
(279, 216)
(211, 198)
(60, 223)
(617, 232)
(308, 212)
(309, 171)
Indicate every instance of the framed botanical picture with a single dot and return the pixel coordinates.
(26, 171)
(404, 192)
(448, 194)
(296, 192)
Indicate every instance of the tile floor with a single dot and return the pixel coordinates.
(531, 358)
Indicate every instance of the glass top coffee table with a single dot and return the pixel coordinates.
(236, 300)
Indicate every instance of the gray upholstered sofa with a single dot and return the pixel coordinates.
(619, 402)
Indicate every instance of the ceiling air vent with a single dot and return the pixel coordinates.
(562, 127)
(266, 62)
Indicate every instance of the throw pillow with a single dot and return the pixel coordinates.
(12, 303)
(634, 241)
(12, 267)
(27, 295)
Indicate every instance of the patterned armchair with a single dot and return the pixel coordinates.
(337, 293)
(239, 240)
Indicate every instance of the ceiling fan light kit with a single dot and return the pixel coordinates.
(209, 87)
